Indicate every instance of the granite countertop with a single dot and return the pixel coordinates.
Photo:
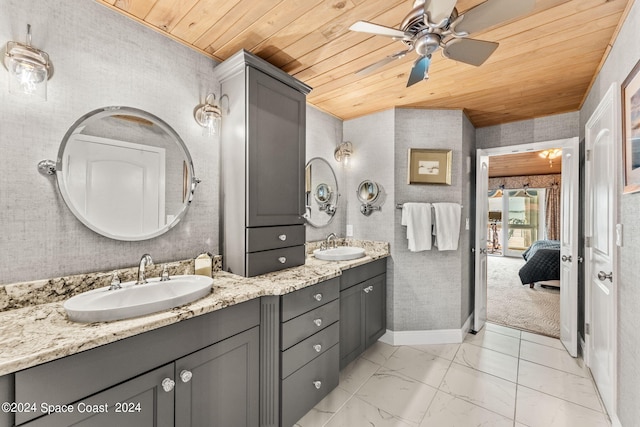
(40, 333)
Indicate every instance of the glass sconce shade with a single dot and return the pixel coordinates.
(29, 68)
(209, 116)
(343, 152)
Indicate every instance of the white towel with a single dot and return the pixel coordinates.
(417, 218)
(447, 225)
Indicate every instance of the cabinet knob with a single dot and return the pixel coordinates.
(168, 384)
(317, 384)
(566, 258)
(318, 322)
(186, 376)
(282, 237)
(368, 289)
(282, 260)
(604, 276)
(317, 297)
(317, 348)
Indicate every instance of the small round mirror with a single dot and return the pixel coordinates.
(321, 198)
(323, 193)
(368, 192)
(125, 173)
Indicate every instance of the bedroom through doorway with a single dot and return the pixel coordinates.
(523, 230)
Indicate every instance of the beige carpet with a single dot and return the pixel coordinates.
(511, 304)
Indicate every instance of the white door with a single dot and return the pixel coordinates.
(601, 140)
(482, 213)
(569, 247)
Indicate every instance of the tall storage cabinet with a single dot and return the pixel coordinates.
(262, 163)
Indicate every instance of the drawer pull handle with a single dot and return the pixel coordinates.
(317, 297)
(282, 260)
(317, 384)
(317, 348)
(368, 289)
(168, 384)
(186, 376)
(318, 322)
(282, 237)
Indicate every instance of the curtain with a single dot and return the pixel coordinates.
(552, 213)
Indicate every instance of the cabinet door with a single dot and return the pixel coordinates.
(352, 330)
(375, 313)
(140, 402)
(276, 152)
(218, 386)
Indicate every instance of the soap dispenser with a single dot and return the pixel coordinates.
(204, 264)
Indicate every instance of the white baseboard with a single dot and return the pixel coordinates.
(439, 336)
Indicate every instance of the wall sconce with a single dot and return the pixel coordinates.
(29, 68)
(343, 152)
(209, 116)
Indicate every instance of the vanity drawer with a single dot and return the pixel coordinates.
(274, 260)
(353, 276)
(303, 300)
(265, 238)
(303, 389)
(302, 327)
(307, 350)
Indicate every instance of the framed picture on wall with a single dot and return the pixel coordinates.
(429, 166)
(631, 130)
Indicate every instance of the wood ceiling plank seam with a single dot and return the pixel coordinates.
(235, 18)
(277, 18)
(614, 37)
(392, 17)
(137, 8)
(165, 14)
(203, 16)
(326, 11)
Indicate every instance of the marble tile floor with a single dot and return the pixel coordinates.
(499, 377)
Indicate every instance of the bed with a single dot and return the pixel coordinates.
(542, 262)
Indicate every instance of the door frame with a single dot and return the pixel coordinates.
(512, 149)
(612, 97)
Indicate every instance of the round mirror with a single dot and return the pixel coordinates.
(323, 193)
(321, 198)
(368, 192)
(125, 173)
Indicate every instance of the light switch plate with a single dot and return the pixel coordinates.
(619, 235)
(466, 224)
(349, 230)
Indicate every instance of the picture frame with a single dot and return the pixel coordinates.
(429, 166)
(631, 130)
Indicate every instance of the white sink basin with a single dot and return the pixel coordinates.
(101, 305)
(341, 253)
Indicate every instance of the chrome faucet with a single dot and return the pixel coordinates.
(331, 238)
(144, 261)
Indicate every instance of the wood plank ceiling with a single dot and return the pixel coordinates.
(545, 64)
(523, 164)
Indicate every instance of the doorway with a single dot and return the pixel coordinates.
(568, 240)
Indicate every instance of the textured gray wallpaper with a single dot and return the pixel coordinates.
(623, 56)
(100, 59)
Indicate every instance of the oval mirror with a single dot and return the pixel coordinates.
(368, 192)
(125, 173)
(321, 198)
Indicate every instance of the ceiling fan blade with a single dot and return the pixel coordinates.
(420, 70)
(469, 51)
(382, 62)
(492, 12)
(379, 30)
(439, 11)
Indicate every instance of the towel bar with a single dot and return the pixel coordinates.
(399, 205)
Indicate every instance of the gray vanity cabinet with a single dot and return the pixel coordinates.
(362, 309)
(262, 161)
(200, 372)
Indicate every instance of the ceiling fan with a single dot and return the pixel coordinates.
(434, 24)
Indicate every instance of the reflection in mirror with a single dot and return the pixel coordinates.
(321, 182)
(371, 195)
(125, 173)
